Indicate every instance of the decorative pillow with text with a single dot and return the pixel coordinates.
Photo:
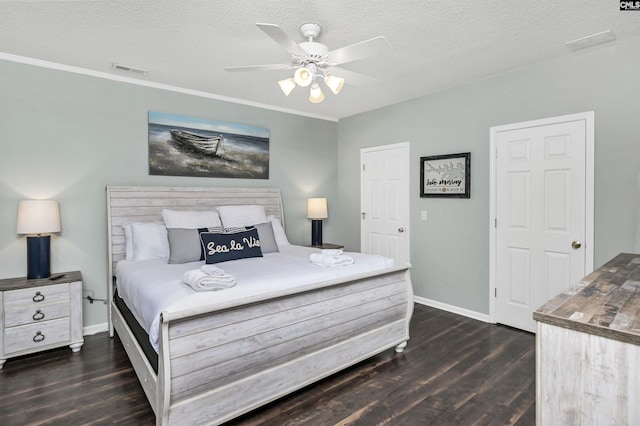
(221, 247)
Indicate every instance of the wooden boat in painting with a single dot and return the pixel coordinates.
(204, 144)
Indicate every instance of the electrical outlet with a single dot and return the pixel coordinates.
(423, 215)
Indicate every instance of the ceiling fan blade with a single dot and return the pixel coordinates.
(260, 67)
(353, 78)
(280, 37)
(364, 49)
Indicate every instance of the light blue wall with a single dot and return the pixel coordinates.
(450, 251)
(66, 136)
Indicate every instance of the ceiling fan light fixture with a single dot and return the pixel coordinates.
(315, 94)
(303, 77)
(287, 85)
(312, 60)
(334, 83)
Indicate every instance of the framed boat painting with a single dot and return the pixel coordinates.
(446, 176)
(199, 147)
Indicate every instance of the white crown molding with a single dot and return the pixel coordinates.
(139, 82)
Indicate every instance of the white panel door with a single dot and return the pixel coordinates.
(541, 205)
(385, 201)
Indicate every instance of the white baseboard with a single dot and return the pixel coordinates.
(93, 329)
(451, 308)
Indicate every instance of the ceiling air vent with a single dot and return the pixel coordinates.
(129, 68)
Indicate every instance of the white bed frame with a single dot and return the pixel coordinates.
(217, 363)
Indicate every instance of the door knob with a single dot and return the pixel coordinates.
(576, 245)
(400, 230)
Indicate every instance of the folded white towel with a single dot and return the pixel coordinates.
(201, 281)
(330, 261)
(213, 270)
(331, 252)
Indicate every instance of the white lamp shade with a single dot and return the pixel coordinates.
(287, 85)
(303, 77)
(317, 208)
(315, 94)
(334, 83)
(38, 217)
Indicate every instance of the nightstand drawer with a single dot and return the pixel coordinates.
(33, 336)
(36, 296)
(21, 315)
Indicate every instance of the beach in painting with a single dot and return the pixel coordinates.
(239, 155)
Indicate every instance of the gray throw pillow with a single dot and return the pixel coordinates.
(185, 245)
(267, 238)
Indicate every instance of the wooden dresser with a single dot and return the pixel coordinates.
(36, 315)
(588, 349)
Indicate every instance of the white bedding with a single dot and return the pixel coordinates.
(150, 287)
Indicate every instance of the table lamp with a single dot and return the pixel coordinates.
(316, 211)
(35, 218)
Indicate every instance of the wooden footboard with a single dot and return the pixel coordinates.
(218, 365)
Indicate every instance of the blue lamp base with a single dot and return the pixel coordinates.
(316, 232)
(38, 257)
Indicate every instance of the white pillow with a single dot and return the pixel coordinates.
(149, 241)
(128, 242)
(235, 216)
(278, 231)
(191, 219)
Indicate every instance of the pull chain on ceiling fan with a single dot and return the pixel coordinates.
(312, 60)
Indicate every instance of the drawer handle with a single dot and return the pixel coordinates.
(39, 297)
(38, 315)
(39, 337)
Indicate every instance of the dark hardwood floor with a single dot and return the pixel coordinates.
(455, 371)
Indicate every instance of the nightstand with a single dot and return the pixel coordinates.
(41, 314)
(328, 246)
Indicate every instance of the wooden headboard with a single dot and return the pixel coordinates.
(126, 204)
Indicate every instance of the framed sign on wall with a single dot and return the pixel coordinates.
(446, 176)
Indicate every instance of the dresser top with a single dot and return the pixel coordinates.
(605, 302)
(22, 282)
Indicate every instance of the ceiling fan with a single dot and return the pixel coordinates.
(313, 60)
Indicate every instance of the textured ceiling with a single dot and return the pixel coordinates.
(437, 44)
